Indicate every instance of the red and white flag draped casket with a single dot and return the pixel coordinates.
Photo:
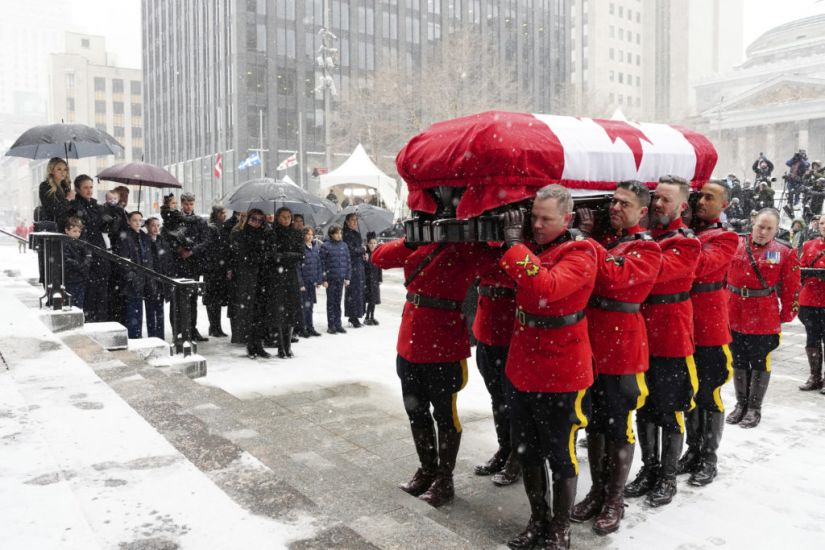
(502, 157)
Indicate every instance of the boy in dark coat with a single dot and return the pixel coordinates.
(312, 275)
(374, 278)
(162, 258)
(76, 263)
(337, 272)
(136, 246)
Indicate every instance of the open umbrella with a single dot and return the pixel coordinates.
(140, 173)
(69, 141)
(268, 195)
(370, 218)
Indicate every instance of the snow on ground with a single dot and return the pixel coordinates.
(770, 492)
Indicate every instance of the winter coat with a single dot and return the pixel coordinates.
(335, 261)
(798, 237)
(354, 297)
(91, 214)
(54, 206)
(251, 305)
(312, 270)
(216, 285)
(193, 235)
(76, 263)
(286, 265)
(373, 279)
(137, 247)
(117, 223)
(163, 259)
(96, 223)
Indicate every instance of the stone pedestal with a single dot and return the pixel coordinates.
(63, 319)
(110, 336)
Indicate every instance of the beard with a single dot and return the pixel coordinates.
(663, 220)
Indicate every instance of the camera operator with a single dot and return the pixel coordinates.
(813, 198)
(762, 167)
(797, 167)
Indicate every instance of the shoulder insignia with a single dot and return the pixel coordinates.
(530, 268)
(618, 260)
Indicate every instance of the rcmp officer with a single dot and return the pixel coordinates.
(762, 270)
(493, 327)
(711, 333)
(433, 346)
(628, 265)
(671, 378)
(812, 307)
(550, 363)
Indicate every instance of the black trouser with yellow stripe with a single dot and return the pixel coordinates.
(543, 427)
(672, 382)
(714, 368)
(613, 398)
(432, 385)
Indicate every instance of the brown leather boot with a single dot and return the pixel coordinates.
(442, 490)
(740, 386)
(494, 465)
(815, 362)
(535, 485)
(564, 495)
(591, 505)
(419, 483)
(620, 457)
(424, 439)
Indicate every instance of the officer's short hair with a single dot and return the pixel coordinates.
(770, 211)
(724, 185)
(555, 191)
(188, 197)
(638, 188)
(680, 182)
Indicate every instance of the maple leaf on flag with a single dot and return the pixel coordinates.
(631, 135)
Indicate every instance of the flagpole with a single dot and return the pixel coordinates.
(301, 150)
(261, 138)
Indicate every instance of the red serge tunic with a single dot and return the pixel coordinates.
(710, 308)
(670, 326)
(495, 315)
(429, 335)
(556, 282)
(813, 290)
(627, 270)
(778, 263)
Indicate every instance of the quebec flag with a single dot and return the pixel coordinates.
(252, 160)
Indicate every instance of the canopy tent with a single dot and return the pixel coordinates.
(359, 170)
(502, 157)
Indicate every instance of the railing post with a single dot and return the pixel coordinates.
(53, 272)
(181, 314)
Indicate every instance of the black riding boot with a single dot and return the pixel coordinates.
(740, 386)
(620, 457)
(648, 433)
(592, 503)
(535, 485)
(665, 487)
(714, 423)
(288, 341)
(564, 495)
(694, 425)
(756, 394)
(815, 362)
(213, 313)
(424, 439)
(442, 490)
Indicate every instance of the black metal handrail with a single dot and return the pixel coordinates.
(13, 236)
(182, 289)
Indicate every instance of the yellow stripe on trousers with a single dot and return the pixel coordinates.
(640, 402)
(717, 392)
(694, 381)
(456, 421)
(768, 358)
(582, 422)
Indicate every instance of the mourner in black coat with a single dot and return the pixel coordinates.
(191, 244)
(374, 278)
(287, 259)
(215, 269)
(354, 293)
(136, 246)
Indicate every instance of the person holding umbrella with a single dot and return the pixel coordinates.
(354, 304)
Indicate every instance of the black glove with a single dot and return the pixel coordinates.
(513, 227)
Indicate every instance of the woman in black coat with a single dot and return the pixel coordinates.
(55, 193)
(287, 259)
(216, 285)
(354, 304)
(249, 243)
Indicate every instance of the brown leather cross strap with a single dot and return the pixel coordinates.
(542, 321)
(613, 305)
(497, 292)
(436, 303)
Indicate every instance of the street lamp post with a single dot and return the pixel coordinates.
(326, 63)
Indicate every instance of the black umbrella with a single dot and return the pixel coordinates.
(140, 173)
(69, 141)
(268, 195)
(371, 219)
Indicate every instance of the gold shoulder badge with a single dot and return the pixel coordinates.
(529, 267)
(580, 237)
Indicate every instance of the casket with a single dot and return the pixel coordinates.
(466, 168)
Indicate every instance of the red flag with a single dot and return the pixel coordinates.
(218, 169)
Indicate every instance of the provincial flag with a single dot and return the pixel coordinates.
(288, 162)
(252, 160)
(218, 169)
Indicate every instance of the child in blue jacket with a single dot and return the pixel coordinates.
(312, 275)
(337, 272)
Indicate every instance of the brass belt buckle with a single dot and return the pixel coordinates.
(416, 299)
(745, 293)
(522, 318)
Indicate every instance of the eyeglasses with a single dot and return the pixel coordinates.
(256, 219)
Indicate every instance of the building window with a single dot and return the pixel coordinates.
(638, 82)
(621, 33)
(621, 56)
(612, 8)
(621, 78)
(84, 43)
(100, 106)
(612, 31)
(621, 99)
(70, 104)
(137, 132)
(117, 107)
(70, 81)
(137, 153)
(638, 60)
(135, 87)
(137, 109)
(638, 38)
(100, 84)
(117, 85)
(638, 17)
(612, 76)
(621, 11)
(612, 53)
(119, 131)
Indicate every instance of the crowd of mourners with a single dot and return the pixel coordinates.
(264, 268)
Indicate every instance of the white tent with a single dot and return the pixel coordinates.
(359, 171)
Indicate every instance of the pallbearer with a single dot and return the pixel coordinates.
(812, 306)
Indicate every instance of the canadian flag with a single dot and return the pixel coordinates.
(288, 162)
(218, 169)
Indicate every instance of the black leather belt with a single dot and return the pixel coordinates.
(613, 305)
(431, 302)
(668, 298)
(746, 292)
(541, 321)
(707, 287)
(497, 292)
